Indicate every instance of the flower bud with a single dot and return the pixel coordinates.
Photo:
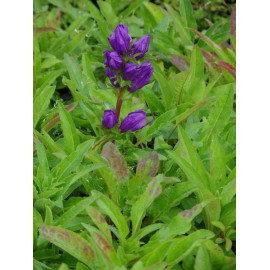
(138, 75)
(140, 47)
(134, 121)
(111, 74)
(109, 119)
(120, 39)
(112, 60)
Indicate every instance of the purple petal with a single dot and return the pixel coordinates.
(138, 75)
(111, 74)
(133, 121)
(112, 60)
(120, 39)
(109, 119)
(140, 47)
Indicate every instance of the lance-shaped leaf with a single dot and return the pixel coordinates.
(139, 208)
(184, 246)
(104, 246)
(116, 161)
(179, 62)
(71, 162)
(49, 124)
(71, 137)
(212, 211)
(180, 224)
(148, 166)
(41, 102)
(188, 152)
(202, 261)
(99, 221)
(233, 21)
(109, 208)
(69, 241)
(170, 197)
(75, 210)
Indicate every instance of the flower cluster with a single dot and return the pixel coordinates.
(134, 120)
(120, 63)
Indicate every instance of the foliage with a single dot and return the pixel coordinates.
(162, 197)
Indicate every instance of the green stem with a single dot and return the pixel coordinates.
(119, 101)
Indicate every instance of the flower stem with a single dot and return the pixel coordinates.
(119, 101)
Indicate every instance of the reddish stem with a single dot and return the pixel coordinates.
(119, 101)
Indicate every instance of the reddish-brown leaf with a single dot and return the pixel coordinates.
(233, 21)
(228, 67)
(149, 165)
(56, 117)
(116, 161)
(179, 62)
(69, 241)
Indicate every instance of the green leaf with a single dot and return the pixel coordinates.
(71, 162)
(71, 45)
(80, 266)
(73, 178)
(43, 172)
(50, 144)
(220, 115)
(41, 102)
(48, 216)
(69, 241)
(50, 62)
(59, 42)
(197, 63)
(228, 192)
(217, 165)
(87, 70)
(37, 221)
(166, 91)
(184, 246)
(170, 197)
(187, 151)
(70, 134)
(109, 208)
(37, 58)
(46, 81)
(151, 14)
(212, 211)
(164, 119)
(202, 261)
(179, 26)
(108, 13)
(95, 14)
(63, 266)
(228, 214)
(138, 210)
(75, 210)
(157, 254)
(131, 8)
(186, 12)
(76, 75)
(145, 231)
(180, 224)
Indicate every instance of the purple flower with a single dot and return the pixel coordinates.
(134, 121)
(112, 60)
(140, 47)
(138, 75)
(111, 74)
(120, 39)
(109, 119)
